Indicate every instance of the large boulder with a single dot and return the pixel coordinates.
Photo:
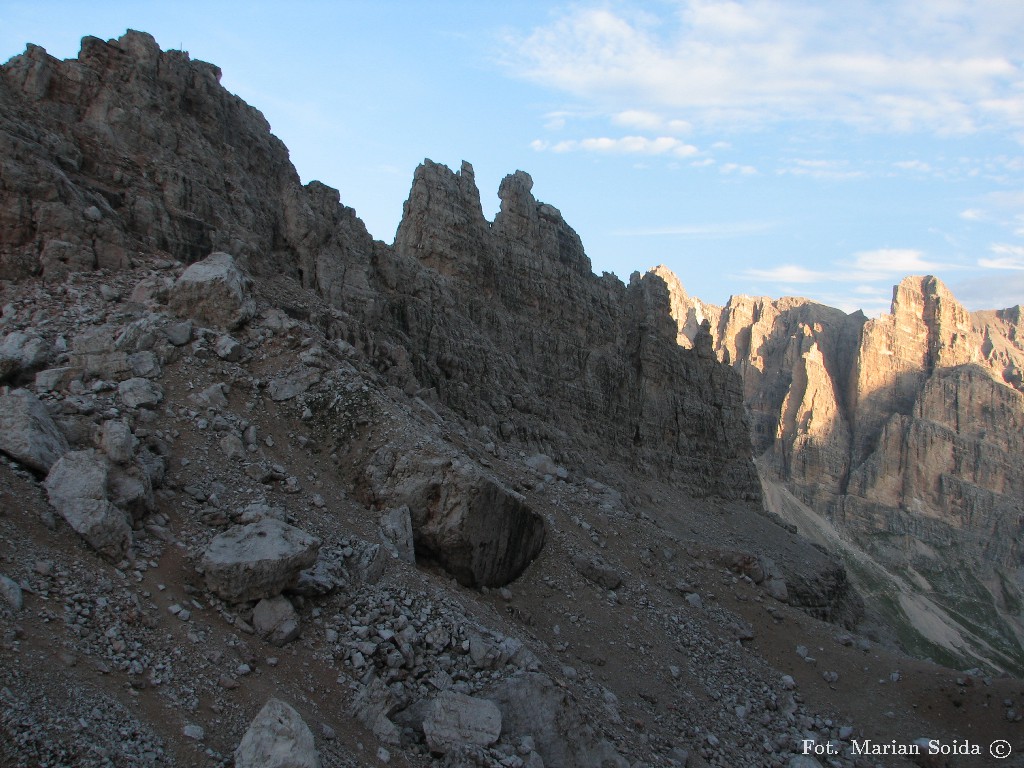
(27, 432)
(21, 352)
(214, 292)
(481, 532)
(140, 393)
(262, 559)
(531, 704)
(277, 738)
(78, 488)
(454, 719)
(276, 621)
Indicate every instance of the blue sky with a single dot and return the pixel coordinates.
(770, 147)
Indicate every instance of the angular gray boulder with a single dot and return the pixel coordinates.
(277, 738)
(140, 393)
(276, 621)
(531, 704)
(454, 719)
(259, 560)
(396, 526)
(21, 352)
(77, 487)
(214, 293)
(27, 432)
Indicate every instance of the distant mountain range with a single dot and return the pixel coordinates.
(905, 435)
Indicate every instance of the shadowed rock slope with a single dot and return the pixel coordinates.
(130, 150)
(270, 486)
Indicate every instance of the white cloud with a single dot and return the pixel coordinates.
(836, 170)
(895, 65)
(624, 145)
(894, 261)
(973, 214)
(742, 170)
(649, 121)
(1008, 257)
(1006, 262)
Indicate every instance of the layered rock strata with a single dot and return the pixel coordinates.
(128, 149)
(905, 430)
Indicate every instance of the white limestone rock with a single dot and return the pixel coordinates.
(214, 292)
(455, 718)
(276, 621)
(277, 738)
(258, 560)
(140, 393)
(27, 432)
(77, 487)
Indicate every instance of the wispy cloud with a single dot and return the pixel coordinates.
(893, 261)
(913, 165)
(1007, 257)
(764, 61)
(837, 170)
(649, 121)
(624, 145)
(867, 267)
(738, 168)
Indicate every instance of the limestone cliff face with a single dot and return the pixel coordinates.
(554, 355)
(897, 412)
(906, 430)
(129, 149)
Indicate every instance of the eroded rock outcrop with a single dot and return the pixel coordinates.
(28, 433)
(503, 322)
(277, 738)
(258, 560)
(904, 430)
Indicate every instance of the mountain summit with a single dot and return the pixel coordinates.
(270, 487)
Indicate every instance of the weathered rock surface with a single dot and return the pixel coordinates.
(21, 354)
(277, 738)
(532, 705)
(28, 433)
(215, 293)
(904, 430)
(11, 593)
(276, 621)
(396, 525)
(140, 393)
(77, 486)
(258, 560)
(481, 532)
(453, 719)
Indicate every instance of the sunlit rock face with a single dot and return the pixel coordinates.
(905, 430)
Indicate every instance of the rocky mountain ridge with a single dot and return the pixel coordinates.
(904, 431)
(128, 149)
(269, 486)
